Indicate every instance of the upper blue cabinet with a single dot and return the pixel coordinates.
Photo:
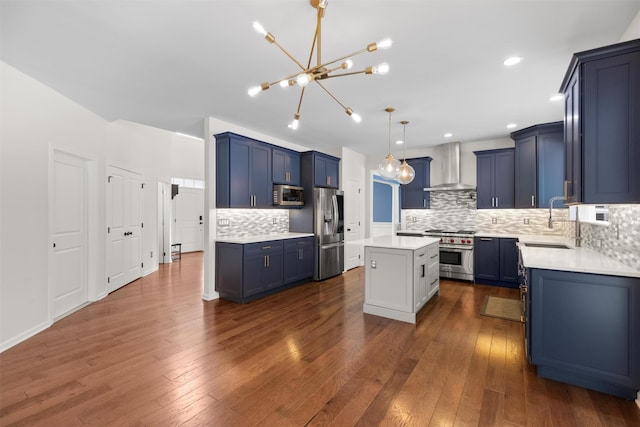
(285, 166)
(539, 165)
(243, 172)
(325, 169)
(412, 195)
(602, 125)
(495, 183)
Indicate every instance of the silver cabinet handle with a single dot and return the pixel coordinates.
(496, 202)
(533, 201)
(266, 247)
(486, 238)
(264, 261)
(434, 282)
(432, 257)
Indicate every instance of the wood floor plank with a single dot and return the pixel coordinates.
(153, 353)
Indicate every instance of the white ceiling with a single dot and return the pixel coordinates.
(169, 64)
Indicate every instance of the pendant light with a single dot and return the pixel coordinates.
(407, 173)
(390, 167)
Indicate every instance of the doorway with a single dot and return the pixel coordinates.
(385, 206)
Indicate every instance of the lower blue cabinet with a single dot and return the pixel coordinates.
(298, 259)
(246, 272)
(496, 261)
(584, 329)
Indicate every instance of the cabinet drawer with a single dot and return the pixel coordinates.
(420, 256)
(263, 247)
(433, 255)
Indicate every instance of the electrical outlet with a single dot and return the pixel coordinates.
(414, 219)
(223, 222)
(494, 220)
(275, 220)
(151, 256)
(526, 221)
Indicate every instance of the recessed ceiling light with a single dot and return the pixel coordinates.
(512, 61)
(556, 97)
(448, 135)
(399, 142)
(511, 125)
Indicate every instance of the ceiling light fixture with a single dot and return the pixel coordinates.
(406, 173)
(512, 61)
(321, 70)
(511, 125)
(448, 135)
(390, 167)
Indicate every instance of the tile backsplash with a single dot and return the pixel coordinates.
(456, 210)
(251, 222)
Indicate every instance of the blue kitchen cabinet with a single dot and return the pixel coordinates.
(495, 261)
(539, 165)
(412, 195)
(298, 259)
(285, 166)
(495, 178)
(243, 172)
(245, 272)
(325, 169)
(584, 329)
(602, 129)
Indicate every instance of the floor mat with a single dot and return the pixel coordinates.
(503, 308)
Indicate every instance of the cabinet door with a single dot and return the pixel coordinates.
(550, 170)
(260, 175)
(572, 142)
(509, 260)
(485, 181)
(611, 129)
(254, 266)
(298, 259)
(273, 274)
(525, 172)
(239, 173)
(504, 180)
(412, 195)
(420, 278)
(486, 262)
(285, 167)
(325, 171)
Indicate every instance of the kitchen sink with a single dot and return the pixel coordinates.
(548, 245)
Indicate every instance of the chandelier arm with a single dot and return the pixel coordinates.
(318, 37)
(300, 101)
(357, 52)
(352, 73)
(331, 95)
(289, 55)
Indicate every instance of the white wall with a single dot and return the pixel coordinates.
(36, 120)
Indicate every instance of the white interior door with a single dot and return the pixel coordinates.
(69, 232)
(124, 227)
(353, 200)
(188, 216)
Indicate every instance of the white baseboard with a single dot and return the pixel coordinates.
(24, 336)
(211, 296)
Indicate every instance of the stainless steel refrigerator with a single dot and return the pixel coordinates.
(328, 224)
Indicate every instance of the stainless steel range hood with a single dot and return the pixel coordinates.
(449, 157)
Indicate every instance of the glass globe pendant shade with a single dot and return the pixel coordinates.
(390, 167)
(406, 174)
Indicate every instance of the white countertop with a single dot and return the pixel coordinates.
(581, 260)
(262, 237)
(397, 242)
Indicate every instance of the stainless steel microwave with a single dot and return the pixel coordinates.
(287, 195)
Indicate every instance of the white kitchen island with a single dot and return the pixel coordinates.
(401, 275)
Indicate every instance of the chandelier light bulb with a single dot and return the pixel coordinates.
(380, 69)
(259, 28)
(303, 79)
(294, 124)
(384, 44)
(284, 83)
(348, 64)
(356, 117)
(253, 91)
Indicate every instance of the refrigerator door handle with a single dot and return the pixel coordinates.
(334, 204)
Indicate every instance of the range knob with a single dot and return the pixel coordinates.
(451, 240)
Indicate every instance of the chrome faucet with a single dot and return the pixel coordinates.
(551, 200)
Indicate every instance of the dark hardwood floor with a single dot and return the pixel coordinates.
(154, 353)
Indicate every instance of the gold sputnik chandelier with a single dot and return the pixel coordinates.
(320, 70)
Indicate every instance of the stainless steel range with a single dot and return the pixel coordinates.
(456, 253)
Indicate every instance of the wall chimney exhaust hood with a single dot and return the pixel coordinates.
(449, 157)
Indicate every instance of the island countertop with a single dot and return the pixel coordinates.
(397, 242)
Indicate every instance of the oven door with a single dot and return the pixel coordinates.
(456, 263)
